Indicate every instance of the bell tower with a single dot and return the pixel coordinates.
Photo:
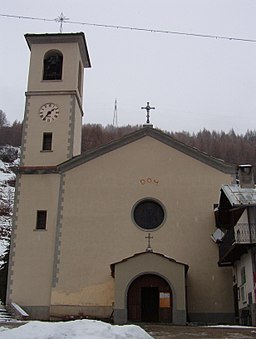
(51, 135)
(53, 112)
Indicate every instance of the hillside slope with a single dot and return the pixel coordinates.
(9, 160)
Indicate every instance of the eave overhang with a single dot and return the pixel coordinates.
(239, 197)
(113, 265)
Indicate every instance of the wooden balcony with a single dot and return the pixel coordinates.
(236, 242)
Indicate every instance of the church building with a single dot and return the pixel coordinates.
(121, 232)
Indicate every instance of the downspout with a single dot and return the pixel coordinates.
(252, 221)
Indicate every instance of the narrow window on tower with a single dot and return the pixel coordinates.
(53, 61)
(41, 220)
(47, 142)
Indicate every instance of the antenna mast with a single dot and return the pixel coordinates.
(115, 114)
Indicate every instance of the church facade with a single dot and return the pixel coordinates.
(123, 231)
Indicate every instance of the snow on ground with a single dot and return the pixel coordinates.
(232, 326)
(7, 190)
(5, 173)
(78, 329)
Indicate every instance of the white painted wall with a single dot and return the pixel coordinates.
(246, 262)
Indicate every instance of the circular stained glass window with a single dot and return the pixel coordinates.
(148, 214)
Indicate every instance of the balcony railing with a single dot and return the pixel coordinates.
(245, 233)
(236, 242)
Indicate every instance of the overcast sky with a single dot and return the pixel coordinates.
(193, 82)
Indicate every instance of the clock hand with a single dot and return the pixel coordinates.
(48, 113)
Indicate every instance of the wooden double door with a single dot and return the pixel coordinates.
(149, 299)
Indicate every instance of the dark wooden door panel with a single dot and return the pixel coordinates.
(143, 299)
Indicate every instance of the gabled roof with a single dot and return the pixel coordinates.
(112, 266)
(232, 203)
(238, 196)
(153, 133)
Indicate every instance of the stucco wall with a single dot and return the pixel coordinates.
(97, 227)
(71, 59)
(30, 274)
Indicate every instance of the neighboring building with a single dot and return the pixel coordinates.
(236, 216)
(120, 231)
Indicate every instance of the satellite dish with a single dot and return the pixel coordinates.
(217, 235)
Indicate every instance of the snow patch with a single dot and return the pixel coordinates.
(231, 326)
(78, 329)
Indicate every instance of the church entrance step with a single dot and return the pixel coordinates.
(4, 315)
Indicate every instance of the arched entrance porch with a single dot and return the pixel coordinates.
(149, 299)
(155, 274)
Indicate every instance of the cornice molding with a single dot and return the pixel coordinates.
(37, 170)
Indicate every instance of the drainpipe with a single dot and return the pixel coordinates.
(252, 221)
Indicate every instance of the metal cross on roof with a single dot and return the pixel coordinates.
(149, 237)
(61, 19)
(148, 108)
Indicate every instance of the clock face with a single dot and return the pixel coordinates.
(49, 112)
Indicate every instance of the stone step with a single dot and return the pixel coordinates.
(4, 315)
